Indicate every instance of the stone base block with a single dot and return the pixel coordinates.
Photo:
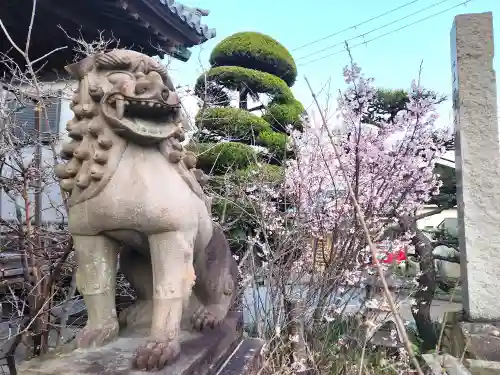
(444, 365)
(448, 365)
(483, 340)
(478, 367)
(202, 354)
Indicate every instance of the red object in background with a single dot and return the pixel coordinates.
(398, 256)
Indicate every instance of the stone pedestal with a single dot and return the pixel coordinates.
(209, 353)
(483, 340)
(446, 364)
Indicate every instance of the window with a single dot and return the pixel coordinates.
(23, 119)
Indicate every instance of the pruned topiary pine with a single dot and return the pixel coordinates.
(255, 51)
(250, 64)
(234, 144)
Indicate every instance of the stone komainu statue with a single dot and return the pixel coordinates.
(134, 193)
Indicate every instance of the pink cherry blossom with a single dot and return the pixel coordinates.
(390, 166)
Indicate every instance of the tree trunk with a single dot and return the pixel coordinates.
(243, 98)
(294, 313)
(421, 311)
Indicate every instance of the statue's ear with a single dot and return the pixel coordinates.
(80, 68)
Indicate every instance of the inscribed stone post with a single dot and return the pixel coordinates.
(477, 163)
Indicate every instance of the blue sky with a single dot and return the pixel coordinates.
(393, 60)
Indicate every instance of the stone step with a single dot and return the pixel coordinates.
(245, 360)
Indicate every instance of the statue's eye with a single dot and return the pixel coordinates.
(115, 77)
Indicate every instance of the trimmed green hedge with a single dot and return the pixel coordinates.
(239, 124)
(255, 51)
(274, 141)
(279, 115)
(219, 157)
(235, 77)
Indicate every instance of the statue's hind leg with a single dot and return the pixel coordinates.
(216, 281)
(173, 275)
(96, 281)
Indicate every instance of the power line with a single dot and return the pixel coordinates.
(388, 33)
(373, 30)
(355, 26)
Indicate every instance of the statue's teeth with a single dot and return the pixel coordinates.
(120, 108)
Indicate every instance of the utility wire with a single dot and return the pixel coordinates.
(388, 33)
(373, 30)
(355, 26)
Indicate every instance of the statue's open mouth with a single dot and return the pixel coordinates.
(146, 118)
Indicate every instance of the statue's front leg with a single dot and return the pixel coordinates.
(173, 276)
(96, 280)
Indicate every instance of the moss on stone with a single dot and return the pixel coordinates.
(235, 77)
(255, 51)
(236, 123)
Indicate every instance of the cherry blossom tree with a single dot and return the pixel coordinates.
(390, 167)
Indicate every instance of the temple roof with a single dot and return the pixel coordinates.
(153, 27)
(191, 16)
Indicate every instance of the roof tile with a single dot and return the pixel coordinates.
(192, 17)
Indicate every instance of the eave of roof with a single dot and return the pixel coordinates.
(192, 17)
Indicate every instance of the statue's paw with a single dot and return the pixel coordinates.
(208, 317)
(155, 355)
(93, 337)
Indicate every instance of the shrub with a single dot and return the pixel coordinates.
(235, 77)
(255, 51)
(274, 141)
(280, 115)
(220, 157)
(266, 172)
(236, 123)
